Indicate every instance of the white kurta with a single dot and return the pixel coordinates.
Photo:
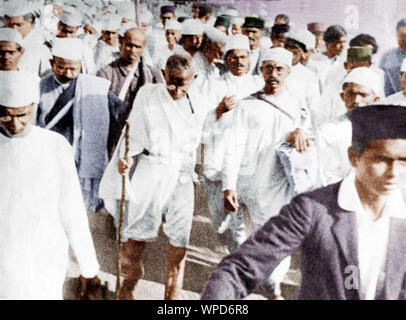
(163, 53)
(104, 54)
(158, 125)
(254, 59)
(320, 64)
(398, 99)
(304, 83)
(332, 142)
(251, 164)
(42, 213)
(36, 55)
(215, 131)
(337, 74)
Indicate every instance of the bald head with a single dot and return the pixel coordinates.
(138, 33)
(132, 46)
(179, 74)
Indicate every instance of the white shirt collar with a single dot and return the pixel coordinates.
(348, 199)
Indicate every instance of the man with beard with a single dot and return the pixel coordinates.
(128, 74)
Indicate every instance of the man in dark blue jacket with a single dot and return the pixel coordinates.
(351, 234)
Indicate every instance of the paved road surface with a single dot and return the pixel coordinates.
(203, 254)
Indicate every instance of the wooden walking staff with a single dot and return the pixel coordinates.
(122, 207)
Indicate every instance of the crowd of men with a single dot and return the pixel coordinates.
(298, 127)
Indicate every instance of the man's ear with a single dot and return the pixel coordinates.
(52, 62)
(352, 156)
(342, 96)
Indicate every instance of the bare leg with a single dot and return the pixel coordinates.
(132, 267)
(174, 272)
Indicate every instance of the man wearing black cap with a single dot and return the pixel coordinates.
(167, 13)
(223, 23)
(351, 233)
(252, 28)
(278, 33)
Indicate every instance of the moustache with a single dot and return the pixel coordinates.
(273, 80)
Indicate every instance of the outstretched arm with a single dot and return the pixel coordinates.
(247, 267)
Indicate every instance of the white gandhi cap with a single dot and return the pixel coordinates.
(237, 20)
(111, 22)
(215, 35)
(279, 55)
(18, 89)
(126, 9)
(10, 35)
(365, 77)
(68, 48)
(172, 24)
(127, 26)
(303, 36)
(18, 8)
(238, 41)
(146, 16)
(192, 27)
(71, 18)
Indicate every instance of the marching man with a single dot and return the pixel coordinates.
(41, 208)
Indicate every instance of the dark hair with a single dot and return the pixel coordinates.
(359, 146)
(401, 23)
(279, 29)
(292, 44)
(179, 61)
(181, 19)
(183, 37)
(203, 10)
(284, 17)
(363, 39)
(334, 33)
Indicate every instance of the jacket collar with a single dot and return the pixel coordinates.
(348, 199)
